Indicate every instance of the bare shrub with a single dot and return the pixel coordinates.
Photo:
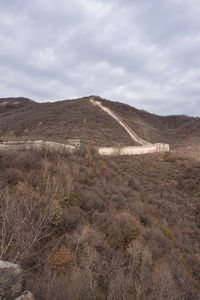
(75, 199)
(56, 211)
(163, 284)
(140, 269)
(23, 224)
(72, 218)
(157, 242)
(58, 179)
(79, 286)
(78, 236)
(123, 229)
(46, 286)
(12, 176)
(61, 260)
(187, 287)
(92, 201)
(119, 288)
(142, 211)
(90, 238)
(135, 184)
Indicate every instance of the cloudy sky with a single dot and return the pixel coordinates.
(142, 52)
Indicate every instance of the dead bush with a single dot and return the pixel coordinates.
(23, 225)
(75, 199)
(46, 287)
(135, 184)
(90, 238)
(142, 211)
(115, 257)
(164, 286)
(92, 201)
(72, 218)
(12, 176)
(61, 260)
(156, 241)
(56, 211)
(122, 229)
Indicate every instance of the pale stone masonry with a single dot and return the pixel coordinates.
(145, 147)
(133, 150)
(37, 145)
(132, 134)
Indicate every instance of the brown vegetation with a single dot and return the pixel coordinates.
(87, 227)
(79, 119)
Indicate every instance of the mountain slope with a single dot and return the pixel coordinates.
(85, 226)
(181, 132)
(90, 227)
(24, 119)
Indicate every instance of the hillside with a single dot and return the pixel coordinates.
(86, 227)
(181, 132)
(59, 121)
(91, 227)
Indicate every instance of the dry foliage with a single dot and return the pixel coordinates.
(85, 227)
(61, 260)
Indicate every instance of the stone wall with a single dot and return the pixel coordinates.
(53, 146)
(132, 134)
(133, 150)
(145, 147)
(37, 145)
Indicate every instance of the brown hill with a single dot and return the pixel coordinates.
(22, 118)
(84, 226)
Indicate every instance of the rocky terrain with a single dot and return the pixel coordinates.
(12, 282)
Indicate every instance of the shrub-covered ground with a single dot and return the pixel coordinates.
(88, 227)
(23, 119)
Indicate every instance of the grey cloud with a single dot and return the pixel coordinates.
(145, 53)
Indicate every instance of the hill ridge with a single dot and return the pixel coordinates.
(78, 119)
(145, 147)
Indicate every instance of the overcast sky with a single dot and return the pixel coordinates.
(142, 52)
